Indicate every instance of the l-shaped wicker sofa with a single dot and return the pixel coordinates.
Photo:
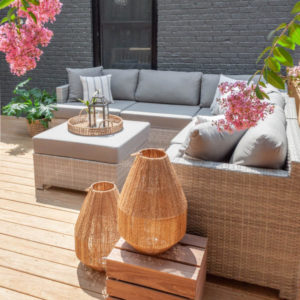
(251, 216)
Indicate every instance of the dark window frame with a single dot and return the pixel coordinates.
(96, 25)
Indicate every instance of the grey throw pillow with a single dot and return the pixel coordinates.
(75, 86)
(205, 142)
(264, 145)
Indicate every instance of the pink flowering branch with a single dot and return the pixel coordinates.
(24, 32)
(243, 109)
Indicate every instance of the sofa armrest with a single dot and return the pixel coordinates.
(62, 93)
(293, 136)
(189, 163)
(290, 107)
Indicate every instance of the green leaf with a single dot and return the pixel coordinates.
(258, 93)
(34, 2)
(32, 15)
(5, 19)
(25, 4)
(261, 83)
(265, 95)
(5, 3)
(286, 42)
(294, 33)
(262, 54)
(273, 64)
(296, 8)
(23, 83)
(283, 56)
(271, 33)
(274, 79)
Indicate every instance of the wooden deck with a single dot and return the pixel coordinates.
(37, 259)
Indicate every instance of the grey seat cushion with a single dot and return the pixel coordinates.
(69, 110)
(75, 85)
(123, 83)
(264, 145)
(161, 115)
(169, 87)
(111, 149)
(209, 86)
(204, 141)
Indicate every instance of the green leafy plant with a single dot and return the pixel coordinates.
(34, 104)
(285, 37)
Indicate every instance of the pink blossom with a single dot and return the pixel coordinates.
(22, 48)
(242, 108)
(294, 72)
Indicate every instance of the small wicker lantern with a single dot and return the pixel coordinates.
(96, 227)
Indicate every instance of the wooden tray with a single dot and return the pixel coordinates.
(79, 125)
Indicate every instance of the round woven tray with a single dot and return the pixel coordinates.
(79, 125)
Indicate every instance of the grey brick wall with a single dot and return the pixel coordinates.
(222, 36)
(71, 46)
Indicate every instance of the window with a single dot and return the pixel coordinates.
(124, 33)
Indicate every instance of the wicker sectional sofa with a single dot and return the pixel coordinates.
(251, 216)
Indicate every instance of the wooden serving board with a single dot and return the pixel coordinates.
(176, 274)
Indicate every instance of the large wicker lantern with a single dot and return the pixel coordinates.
(152, 209)
(96, 227)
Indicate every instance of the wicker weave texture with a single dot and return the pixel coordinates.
(252, 220)
(152, 208)
(96, 227)
(160, 138)
(76, 174)
(35, 127)
(79, 125)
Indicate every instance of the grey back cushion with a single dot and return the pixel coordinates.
(209, 85)
(205, 142)
(169, 87)
(75, 85)
(123, 83)
(264, 145)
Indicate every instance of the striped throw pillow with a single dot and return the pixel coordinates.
(91, 84)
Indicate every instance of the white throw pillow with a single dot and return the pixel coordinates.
(215, 107)
(91, 84)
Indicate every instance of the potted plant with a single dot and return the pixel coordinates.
(35, 105)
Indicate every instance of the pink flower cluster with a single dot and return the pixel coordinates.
(242, 108)
(294, 72)
(22, 48)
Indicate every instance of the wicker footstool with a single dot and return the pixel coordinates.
(66, 160)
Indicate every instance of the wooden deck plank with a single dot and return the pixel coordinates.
(12, 295)
(79, 277)
(10, 186)
(38, 250)
(31, 199)
(17, 179)
(15, 166)
(39, 211)
(42, 287)
(37, 235)
(37, 222)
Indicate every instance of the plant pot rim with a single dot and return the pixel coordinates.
(38, 120)
(142, 153)
(111, 187)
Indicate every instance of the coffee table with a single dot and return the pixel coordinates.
(66, 160)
